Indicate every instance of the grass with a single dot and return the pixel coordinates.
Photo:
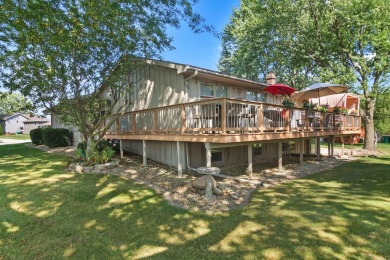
(380, 146)
(15, 137)
(47, 213)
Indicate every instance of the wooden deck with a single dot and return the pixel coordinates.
(226, 120)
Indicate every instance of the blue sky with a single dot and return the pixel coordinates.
(201, 49)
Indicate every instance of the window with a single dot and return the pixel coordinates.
(216, 155)
(262, 97)
(238, 93)
(256, 96)
(221, 91)
(257, 149)
(251, 96)
(206, 90)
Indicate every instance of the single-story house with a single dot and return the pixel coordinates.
(186, 116)
(35, 122)
(14, 123)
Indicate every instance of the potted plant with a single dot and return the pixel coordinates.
(344, 110)
(322, 109)
(308, 105)
(337, 110)
(288, 102)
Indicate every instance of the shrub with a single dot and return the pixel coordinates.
(1, 130)
(55, 137)
(100, 152)
(36, 136)
(102, 145)
(81, 151)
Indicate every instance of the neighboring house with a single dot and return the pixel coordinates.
(35, 122)
(186, 116)
(76, 136)
(13, 123)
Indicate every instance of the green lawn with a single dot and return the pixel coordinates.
(381, 146)
(47, 213)
(16, 137)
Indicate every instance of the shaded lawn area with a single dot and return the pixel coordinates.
(15, 137)
(46, 212)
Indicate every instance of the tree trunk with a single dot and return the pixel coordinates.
(369, 140)
(89, 152)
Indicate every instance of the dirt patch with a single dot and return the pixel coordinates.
(164, 180)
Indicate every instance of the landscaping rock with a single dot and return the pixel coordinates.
(208, 170)
(72, 166)
(97, 170)
(200, 183)
(100, 167)
(78, 169)
(87, 169)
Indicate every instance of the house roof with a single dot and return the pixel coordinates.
(194, 72)
(208, 75)
(36, 120)
(46, 124)
(6, 117)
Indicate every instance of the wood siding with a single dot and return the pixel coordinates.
(163, 152)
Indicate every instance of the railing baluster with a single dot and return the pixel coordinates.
(223, 116)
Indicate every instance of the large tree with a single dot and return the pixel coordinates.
(59, 53)
(335, 40)
(14, 103)
(382, 112)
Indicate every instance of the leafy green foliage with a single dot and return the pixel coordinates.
(1, 129)
(81, 151)
(303, 41)
(14, 103)
(55, 137)
(36, 136)
(59, 53)
(99, 152)
(382, 113)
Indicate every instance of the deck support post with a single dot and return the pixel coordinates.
(329, 145)
(121, 147)
(318, 147)
(332, 146)
(208, 154)
(301, 150)
(179, 166)
(144, 158)
(342, 145)
(280, 153)
(250, 160)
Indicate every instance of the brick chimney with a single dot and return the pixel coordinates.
(270, 78)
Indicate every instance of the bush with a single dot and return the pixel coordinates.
(102, 145)
(55, 137)
(81, 151)
(99, 152)
(36, 136)
(1, 130)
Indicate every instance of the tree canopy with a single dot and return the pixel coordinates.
(304, 41)
(59, 53)
(14, 103)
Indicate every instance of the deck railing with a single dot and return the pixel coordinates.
(229, 116)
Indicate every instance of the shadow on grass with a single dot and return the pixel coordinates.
(48, 213)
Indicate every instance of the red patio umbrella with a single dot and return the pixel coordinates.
(281, 89)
